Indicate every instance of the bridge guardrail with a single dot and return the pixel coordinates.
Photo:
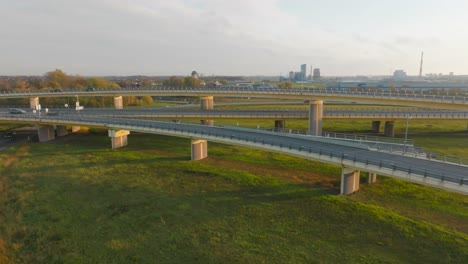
(459, 98)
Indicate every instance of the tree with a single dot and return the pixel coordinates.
(56, 79)
(285, 85)
(174, 82)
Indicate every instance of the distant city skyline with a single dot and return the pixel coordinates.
(244, 37)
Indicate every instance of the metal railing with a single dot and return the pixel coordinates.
(426, 96)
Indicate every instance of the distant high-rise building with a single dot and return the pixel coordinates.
(399, 74)
(303, 75)
(316, 74)
(297, 76)
(291, 76)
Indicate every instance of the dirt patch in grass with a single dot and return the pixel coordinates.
(21, 152)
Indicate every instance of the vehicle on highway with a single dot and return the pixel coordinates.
(56, 90)
(90, 89)
(10, 135)
(17, 111)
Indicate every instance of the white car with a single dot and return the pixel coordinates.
(17, 111)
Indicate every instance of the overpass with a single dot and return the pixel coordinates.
(174, 113)
(442, 100)
(279, 116)
(313, 97)
(352, 158)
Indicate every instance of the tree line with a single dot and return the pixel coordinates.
(58, 79)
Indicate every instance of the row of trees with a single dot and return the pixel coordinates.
(59, 79)
(182, 82)
(52, 80)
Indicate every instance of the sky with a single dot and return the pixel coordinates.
(226, 37)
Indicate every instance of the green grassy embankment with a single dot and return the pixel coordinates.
(74, 200)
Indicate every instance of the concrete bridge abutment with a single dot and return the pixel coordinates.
(206, 103)
(199, 149)
(389, 129)
(46, 133)
(118, 102)
(349, 180)
(119, 138)
(33, 102)
(376, 126)
(61, 131)
(371, 177)
(207, 122)
(280, 125)
(315, 117)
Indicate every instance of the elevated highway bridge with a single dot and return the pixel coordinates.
(422, 99)
(352, 158)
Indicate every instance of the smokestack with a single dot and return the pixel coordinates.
(420, 65)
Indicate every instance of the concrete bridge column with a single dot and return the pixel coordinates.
(206, 103)
(75, 129)
(46, 133)
(61, 131)
(389, 128)
(118, 138)
(371, 177)
(280, 125)
(376, 126)
(33, 102)
(118, 102)
(199, 149)
(349, 180)
(207, 122)
(315, 117)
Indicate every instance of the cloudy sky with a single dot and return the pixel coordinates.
(226, 37)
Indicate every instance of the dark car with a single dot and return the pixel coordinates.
(52, 113)
(17, 111)
(10, 135)
(57, 90)
(90, 89)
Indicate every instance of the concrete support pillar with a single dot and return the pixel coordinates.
(206, 103)
(371, 177)
(349, 180)
(376, 126)
(389, 128)
(118, 138)
(207, 122)
(75, 129)
(315, 117)
(280, 125)
(33, 102)
(61, 131)
(199, 149)
(118, 102)
(46, 133)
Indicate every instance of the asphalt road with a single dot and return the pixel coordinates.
(308, 143)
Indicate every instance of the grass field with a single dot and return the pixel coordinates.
(75, 200)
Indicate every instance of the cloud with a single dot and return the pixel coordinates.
(96, 37)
